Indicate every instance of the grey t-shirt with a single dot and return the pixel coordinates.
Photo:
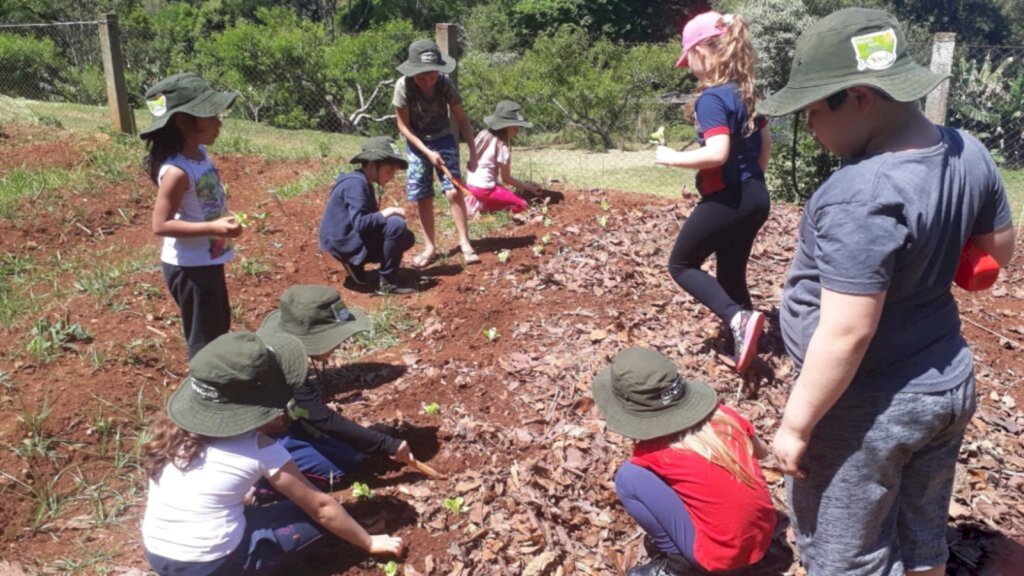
(897, 222)
(428, 116)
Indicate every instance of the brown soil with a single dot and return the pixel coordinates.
(517, 435)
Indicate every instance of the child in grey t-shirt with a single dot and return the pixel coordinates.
(867, 311)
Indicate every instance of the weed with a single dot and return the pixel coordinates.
(361, 490)
(432, 408)
(48, 503)
(491, 334)
(109, 161)
(140, 349)
(306, 183)
(99, 283)
(24, 183)
(324, 148)
(49, 339)
(389, 323)
(504, 255)
(602, 220)
(454, 505)
(253, 267)
(235, 144)
(146, 291)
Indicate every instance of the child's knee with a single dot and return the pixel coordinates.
(629, 478)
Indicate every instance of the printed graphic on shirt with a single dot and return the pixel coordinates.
(875, 51)
(210, 193)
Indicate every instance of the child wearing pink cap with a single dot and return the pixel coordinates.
(730, 166)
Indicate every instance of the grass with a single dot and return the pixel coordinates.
(35, 184)
(389, 324)
(48, 340)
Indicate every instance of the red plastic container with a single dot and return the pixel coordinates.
(977, 271)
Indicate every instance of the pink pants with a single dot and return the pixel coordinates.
(497, 199)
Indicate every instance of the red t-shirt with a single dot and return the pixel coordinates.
(734, 523)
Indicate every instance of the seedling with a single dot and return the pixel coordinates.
(242, 219)
(391, 568)
(658, 136)
(361, 490)
(547, 221)
(491, 334)
(432, 408)
(544, 209)
(504, 255)
(606, 205)
(602, 221)
(454, 505)
(545, 239)
(538, 250)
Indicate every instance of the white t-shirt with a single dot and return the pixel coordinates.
(198, 515)
(487, 162)
(204, 201)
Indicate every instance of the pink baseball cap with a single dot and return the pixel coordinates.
(700, 27)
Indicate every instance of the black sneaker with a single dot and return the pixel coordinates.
(355, 272)
(388, 288)
(664, 565)
(745, 338)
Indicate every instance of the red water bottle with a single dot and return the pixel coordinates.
(978, 270)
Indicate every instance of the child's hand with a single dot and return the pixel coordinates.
(788, 447)
(393, 211)
(664, 155)
(386, 544)
(404, 454)
(227, 227)
(434, 158)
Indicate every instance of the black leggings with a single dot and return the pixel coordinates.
(724, 223)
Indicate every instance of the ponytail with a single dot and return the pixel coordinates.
(730, 57)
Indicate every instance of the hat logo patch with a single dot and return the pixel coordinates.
(158, 105)
(429, 57)
(672, 393)
(875, 51)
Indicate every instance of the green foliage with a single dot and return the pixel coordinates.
(361, 490)
(987, 99)
(455, 505)
(491, 334)
(432, 408)
(48, 340)
(793, 177)
(29, 66)
(775, 26)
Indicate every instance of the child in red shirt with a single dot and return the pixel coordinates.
(693, 483)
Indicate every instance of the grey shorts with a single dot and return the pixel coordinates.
(880, 476)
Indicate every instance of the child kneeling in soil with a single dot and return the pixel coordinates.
(355, 230)
(693, 483)
(494, 152)
(210, 448)
(323, 443)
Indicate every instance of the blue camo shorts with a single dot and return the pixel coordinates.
(420, 174)
(879, 478)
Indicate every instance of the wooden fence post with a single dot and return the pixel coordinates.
(943, 47)
(121, 114)
(447, 38)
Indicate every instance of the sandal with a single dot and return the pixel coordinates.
(470, 258)
(423, 260)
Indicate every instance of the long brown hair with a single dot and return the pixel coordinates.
(730, 57)
(169, 444)
(706, 439)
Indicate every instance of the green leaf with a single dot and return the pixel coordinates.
(454, 505)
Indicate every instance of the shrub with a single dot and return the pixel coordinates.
(29, 66)
(987, 99)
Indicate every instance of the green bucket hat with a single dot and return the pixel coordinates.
(851, 47)
(186, 93)
(642, 395)
(506, 113)
(317, 316)
(425, 56)
(380, 148)
(238, 383)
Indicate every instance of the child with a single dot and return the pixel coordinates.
(354, 230)
(191, 211)
(423, 100)
(324, 444)
(493, 152)
(210, 448)
(730, 163)
(693, 483)
(870, 435)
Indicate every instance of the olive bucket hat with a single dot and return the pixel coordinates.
(851, 47)
(238, 383)
(642, 395)
(380, 148)
(425, 56)
(506, 113)
(317, 316)
(185, 92)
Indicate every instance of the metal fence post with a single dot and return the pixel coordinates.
(943, 47)
(113, 69)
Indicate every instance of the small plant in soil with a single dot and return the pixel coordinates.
(504, 255)
(390, 569)
(545, 239)
(602, 221)
(242, 219)
(606, 205)
(491, 334)
(254, 268)
(49, 339)
(455, 505)
(548, 221)
(538, 250)
(432, 408)
(361, 490)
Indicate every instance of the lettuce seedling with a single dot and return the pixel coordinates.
(504, 255)
(361, 490)
(454, 505)
(432, 408)
(491, 334)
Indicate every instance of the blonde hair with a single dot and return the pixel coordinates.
(730, 57)
(706, 439)
(170, 444)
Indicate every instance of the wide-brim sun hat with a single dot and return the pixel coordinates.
(238, 383)
(506, 114)
(697, 29)
(187, 93)
(425, 56)
(380, 148)
(642, 396)
(851, 47)
(317, 316)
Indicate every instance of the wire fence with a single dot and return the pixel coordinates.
(294, 88)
